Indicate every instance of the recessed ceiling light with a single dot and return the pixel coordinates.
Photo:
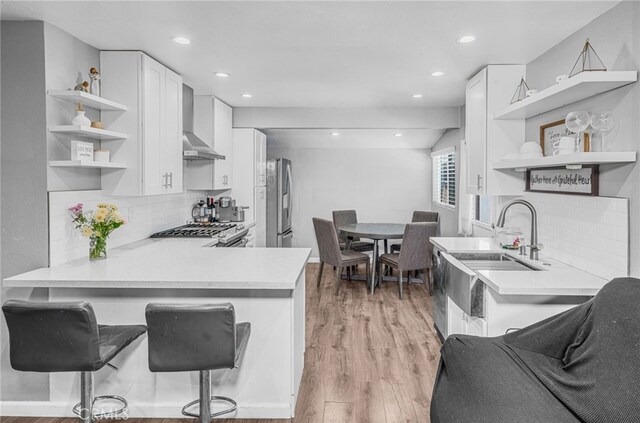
(247, 95)
(222, 74)
(397, 134)
(467, 39)
(335, 134)
(417, 96)
(437, 73)
(181, 40)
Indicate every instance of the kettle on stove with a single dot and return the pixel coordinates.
(200, 213)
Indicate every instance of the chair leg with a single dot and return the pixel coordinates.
(400, 282)
(86, 398)
(429, 281)
(338, 274)
(320, 274)
(205, 394)
(368, 269)
(349, 273)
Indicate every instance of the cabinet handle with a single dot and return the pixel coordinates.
(170, 180)
(479, 181)
(165, 179)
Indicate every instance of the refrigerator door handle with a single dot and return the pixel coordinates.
(289, 201)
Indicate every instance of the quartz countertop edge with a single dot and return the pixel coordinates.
(554, 279)
(175, 264)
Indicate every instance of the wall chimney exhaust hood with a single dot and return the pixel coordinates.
(193, 148)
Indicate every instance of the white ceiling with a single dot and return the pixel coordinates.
(323, 54)
(353, 138)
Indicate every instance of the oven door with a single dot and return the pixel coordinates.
(238, 243)
(237, 240)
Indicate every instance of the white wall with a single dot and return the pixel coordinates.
(615, 35)
(24, 183)
(382, 185)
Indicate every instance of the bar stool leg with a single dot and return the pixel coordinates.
(86, 397)
(205, 395)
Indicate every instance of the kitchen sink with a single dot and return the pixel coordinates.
(493, 261)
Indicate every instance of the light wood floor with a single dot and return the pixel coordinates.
(369, 358)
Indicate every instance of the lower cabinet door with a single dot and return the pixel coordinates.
(455, 319)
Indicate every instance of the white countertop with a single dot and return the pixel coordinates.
(554, 277)
(175, 263)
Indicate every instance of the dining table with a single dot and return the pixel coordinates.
(376, 232)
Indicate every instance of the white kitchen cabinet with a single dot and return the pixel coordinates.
(488, 140)
(458, 322)
(223, 144)
(213, 123)
(260, 204)
(261, 159)
(153, 151)
(249, 178)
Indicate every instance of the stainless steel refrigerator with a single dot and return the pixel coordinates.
(279, 201)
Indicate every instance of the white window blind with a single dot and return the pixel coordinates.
(444, 176)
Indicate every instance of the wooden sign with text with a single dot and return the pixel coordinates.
(559, 180)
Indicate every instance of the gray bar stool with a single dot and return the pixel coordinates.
(64, 337)
(196, 337)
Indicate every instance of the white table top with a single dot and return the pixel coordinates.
(175, 264)
(554, 277)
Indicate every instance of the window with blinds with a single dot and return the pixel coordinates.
(444, 176)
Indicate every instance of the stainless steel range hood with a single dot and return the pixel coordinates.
(193, 148)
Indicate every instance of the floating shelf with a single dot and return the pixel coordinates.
(88, 100)
(567, 160)
(88, 132)
(576, 88)
(95, 165)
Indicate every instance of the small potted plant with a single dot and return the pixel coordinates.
(97, 225)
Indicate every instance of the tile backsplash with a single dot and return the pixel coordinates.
(144, 216)
(590, 233)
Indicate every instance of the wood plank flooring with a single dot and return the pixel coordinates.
(369, 358)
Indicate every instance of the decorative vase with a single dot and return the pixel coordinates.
(81, 119)
(97, 248)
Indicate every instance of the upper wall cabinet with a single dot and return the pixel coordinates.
(153, 151)
(213, 123)
(488, 139)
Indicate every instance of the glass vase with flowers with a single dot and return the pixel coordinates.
(97, 226)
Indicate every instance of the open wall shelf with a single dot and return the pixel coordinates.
(94, 165)
(567, 160)
(88, 100)
(576, 88)
(88, 132)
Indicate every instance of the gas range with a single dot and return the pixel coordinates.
(228, 234)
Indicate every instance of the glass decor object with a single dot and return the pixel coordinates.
(588, 61)
(577, 122)
(97, 248)
(603, 122)
(97, 226)
(521, 91)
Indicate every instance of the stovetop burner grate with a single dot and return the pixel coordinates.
(195, 230)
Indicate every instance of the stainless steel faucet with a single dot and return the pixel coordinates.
(535, 247)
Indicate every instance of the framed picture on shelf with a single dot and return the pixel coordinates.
(552, 132)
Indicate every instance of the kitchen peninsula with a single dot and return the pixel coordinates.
(266, 287)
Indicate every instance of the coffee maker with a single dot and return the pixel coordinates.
(227, 211)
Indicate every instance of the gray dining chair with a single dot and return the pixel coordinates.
(416, 252)
(349, 217)
(330, 253)
(421, 216)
